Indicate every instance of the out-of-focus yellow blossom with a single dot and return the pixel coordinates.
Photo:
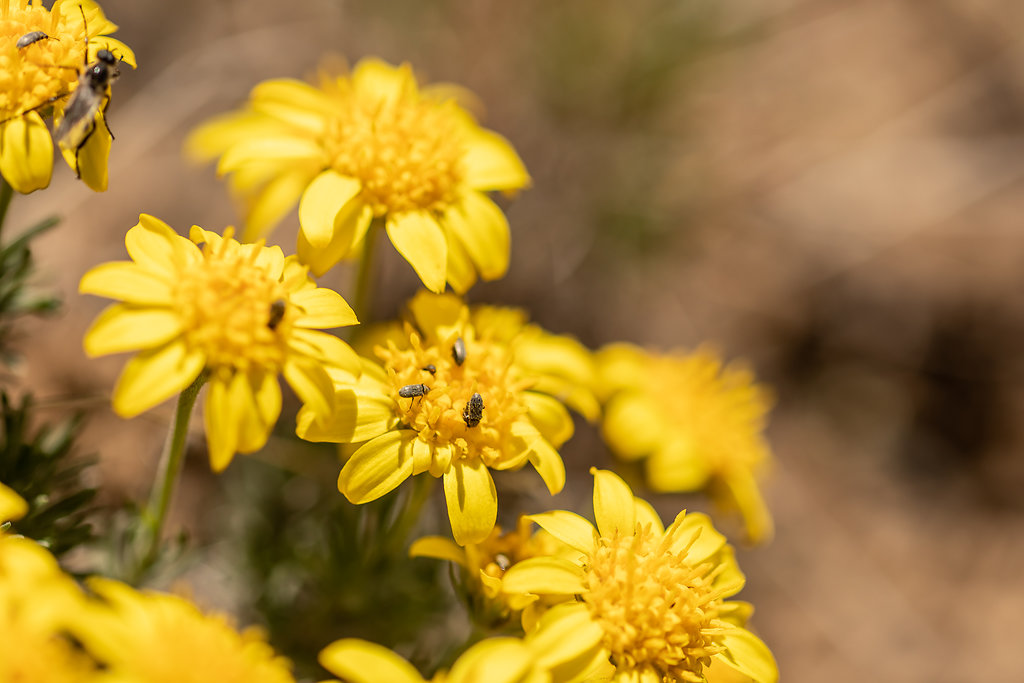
(39, 76)
(369, 146)
(38, 603)
(149, 637)
(485, 563)
(647, 601)
(495, 660)
(242, 313)
(695, 423)
(500, 408)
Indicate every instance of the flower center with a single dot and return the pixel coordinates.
(443, 409)
(43, 69)
(233, 310)
(407, 154)
(658, 612)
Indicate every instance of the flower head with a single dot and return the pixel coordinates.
(495, 660)
(161, 638)
(54, 44)
(649, 601)
(695, 423)
(457, 393)
(241, 313)
(369, 146)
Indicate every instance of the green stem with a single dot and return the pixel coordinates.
(362, 298)
(6, 193)
(167, 473)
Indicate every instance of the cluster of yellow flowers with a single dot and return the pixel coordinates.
(448, 390)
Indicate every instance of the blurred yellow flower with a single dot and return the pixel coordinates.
(648, 601)
(241, 313)
(158, 638)
(695, 423)
(39, 75)
(369, 146)
(38, 604)
(12, 506)
(495, 660)
(459, 393)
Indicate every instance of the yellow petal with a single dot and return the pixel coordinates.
(438, 316)
(298, 103)
(321, 203)
(122, 328)
(492, 163)
(482, 229)
(566, 640)
(472, 500)
(460, 271)
(217, 135)
(359, 661)
(381, 84)
(613, 505)
(280, 148)
(420, 241)
(549, 416)
(156, 246)
(677, 466)
(129, 282)
(274, 201)
(322, 308)
(695, 525)
(541, 454)
(89, 158)
(646, 515)
(267, 393)
(325, 348)
(495, 660)
(12, 506)
(350, 227)
(746, 495)
(353, 420)
(223, 416)
(311, 384)
(154, 376)
(439, 548)
(545, 576)
(377, 467)
(569, 528)
(115, 46)
(26, 153)
(746, 653)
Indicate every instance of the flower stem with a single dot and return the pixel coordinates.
(167, 474)
(6, 193)
(362, 298)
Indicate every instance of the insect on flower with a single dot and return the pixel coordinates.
(459, 351)
(31, 37)
(90, 97)
(474, 410)
(277, 311)
(413, 390)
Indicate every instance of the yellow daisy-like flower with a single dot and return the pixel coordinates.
(241, 313)
(485, 563)
(54, 45)
(695, 423)
(649, 601)
(38, 603)
(495, 660)
(459, 393)
(371, 146)
(160, 638)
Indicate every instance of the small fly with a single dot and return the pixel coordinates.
(430, 367)
(459, 351)
(474, 411)
(87, 101)
(413, 390)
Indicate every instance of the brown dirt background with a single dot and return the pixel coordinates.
(831, 189)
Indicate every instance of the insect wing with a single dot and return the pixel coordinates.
(79, 117)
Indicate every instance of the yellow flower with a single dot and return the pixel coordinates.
(648, 600)
(485, 563)
(38, 603)
(12, 506)
(158, 638)
(241, 313)
(495, 660)
(371, 146)
(39, 76)
(425, 411)
(695, 423)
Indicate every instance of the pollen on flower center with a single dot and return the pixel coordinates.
(407, 154)
(655, 608)
(232, 309)
(439, 414)
(34, 75)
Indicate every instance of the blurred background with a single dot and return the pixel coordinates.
(830, 189)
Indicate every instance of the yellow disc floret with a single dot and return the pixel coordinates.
(231, 307)
(407, 154)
